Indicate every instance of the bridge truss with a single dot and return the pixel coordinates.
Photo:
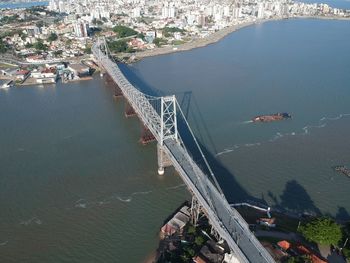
(159, 115)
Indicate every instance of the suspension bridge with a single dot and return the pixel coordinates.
(159, 116)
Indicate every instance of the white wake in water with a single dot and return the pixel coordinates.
(33, 220)
(323, 122)
(175, 187)
(83, 203)
(4, 243)
(246, 122)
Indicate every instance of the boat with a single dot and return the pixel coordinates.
(342, 169)
(272, 117)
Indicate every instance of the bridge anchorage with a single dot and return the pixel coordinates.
(159, 118)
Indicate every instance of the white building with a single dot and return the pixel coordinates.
(81, 29)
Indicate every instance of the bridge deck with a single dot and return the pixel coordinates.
(225, 219)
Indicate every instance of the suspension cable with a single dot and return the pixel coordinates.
(201, 152)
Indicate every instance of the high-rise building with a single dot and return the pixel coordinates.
(260, 14)
(81, 29)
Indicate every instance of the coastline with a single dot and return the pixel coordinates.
(197, 43)
(213, 38)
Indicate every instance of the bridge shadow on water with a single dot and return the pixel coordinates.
(294, 198)
(234, 192)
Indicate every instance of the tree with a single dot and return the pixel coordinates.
(123, 31)
(119, 46)
(323, 231)
(40, 23)
(3, 47)
(299, 259)
(29, 45)
(87, 50)
(199, 240)
(140, 35)
(159, 41)
(169, 31)
(40, 46)
(52, 37)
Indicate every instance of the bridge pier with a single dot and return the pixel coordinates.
(146, 135)
(163, 159)
(129, 110)
(110, 82)
(117, 92)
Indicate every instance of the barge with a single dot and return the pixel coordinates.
(273, 117)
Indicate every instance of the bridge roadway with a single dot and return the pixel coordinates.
(226, 220)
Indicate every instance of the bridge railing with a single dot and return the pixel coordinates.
(225, 219)
(137, 99)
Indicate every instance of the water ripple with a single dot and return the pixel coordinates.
(305, 131)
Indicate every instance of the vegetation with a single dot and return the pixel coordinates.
(29, 45)
(123, 31)
(3, 47)
(52, 37)
(58, 52)
(40, 46)
(299, 259)
(40, 23)
(119, 46)
(345, 241)
(190, 246)
(159, 41)
(140, 35)
(169, 31)
(178, 42)
(323, 231)
(87, 50)
(9, 19)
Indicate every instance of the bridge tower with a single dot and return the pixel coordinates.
(168, 130)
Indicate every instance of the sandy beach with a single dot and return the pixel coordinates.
(212, 38)
(196, 43)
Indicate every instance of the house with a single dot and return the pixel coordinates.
(79, 70)
(22, 74)
(176, 223)
(45, 76)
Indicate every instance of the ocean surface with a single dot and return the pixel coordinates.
(22, 4)
(77, 186)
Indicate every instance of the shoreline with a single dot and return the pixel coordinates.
(197, 43)
(213, 38)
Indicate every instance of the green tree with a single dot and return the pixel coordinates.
(191, 230)
(87, 50)
(29, 45)
(299, 259)
(140, 35)
(123, 31)
(40, 23)
(40, 46)
(119, 46)
(322, 231)
(169, 31)
(3, 47)
(199, 241)
(52, 37)
(159, 41)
